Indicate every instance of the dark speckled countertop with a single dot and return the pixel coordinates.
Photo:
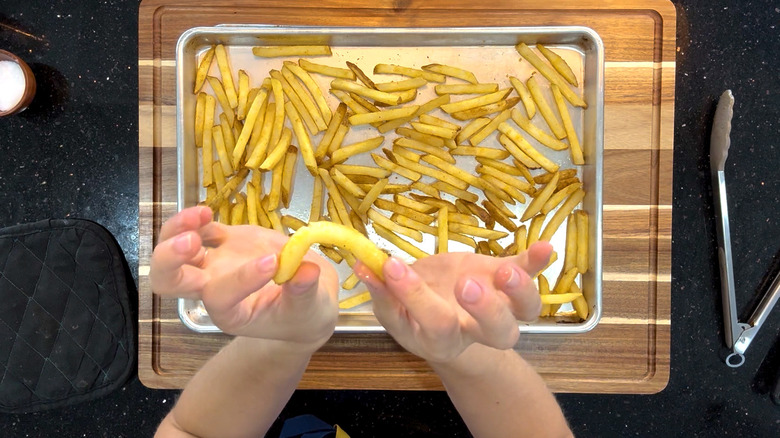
(74, 154)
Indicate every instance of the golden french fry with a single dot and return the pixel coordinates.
(290, 161)
(332, 234)
(309, 103)
(207, 152)
(485, 110)
(575, 150)
(331, 253)
(382, 116)
(260, 138)
(313, 88)
(495, 247)
(565, 281)
(404, 171)
(551, 75)
(361, 75)
(227, 191)
(292, 222)
(346, 184)
(454, 191)
(451, 71)
(521, 144)
(381, 220)
(338, 138)
(580, 304)
(276, 222)
(456, 173)
(335, 196)
(402, 244)
(582, 241)
(227, 134)
(540, 199)
(315, 210)
(536, 132)
(252, 201)
(476, 231)
(355, 300)
(483, 248)
(424, 148)
(335, 72)
(513, 192)
(465, 89)
(404, 85)
(364, 179)
(200, 111)
(251, 118)
(381, 96)
(570, 256)
(238, 213)
(441, 175)
(414, 204)
(525, 96)
(219, 146)
(371, 196)
(509, 251)
(413, 224)
(436, 202)
(534, 229)
(353, 169)
(561, 214)
(489, 128)
(357, 221)
(567, 182)
(519, 158)
(348, 100)
(221, 94)
(296, 101)
(558, 64)
(431, 120)
(475, 102)
(544, 108)
(470, 129)
(279, 51)
(434, 130)
(278, 122)
(406, 211)
(546, 177)
(419, 136)
(406, 153)
(500, 166)
(243, 94)
(278, 152)
(356, 148)
(424, 109)
(203, 69)
(350, 282)
(365, 104)
(425, 188)
(304, 142)
(499, 214)
(479, 212)
(520, 239)
(275, 193)
(227, 75)
(410, 72)
(442, 238)
(482, 152)
(560, 298)
(559, 196)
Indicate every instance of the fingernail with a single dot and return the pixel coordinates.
(517, 278)
(266, 264)
(396, 269)
(182, 243)
(471, 292)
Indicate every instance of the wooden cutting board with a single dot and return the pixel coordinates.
(628, 352)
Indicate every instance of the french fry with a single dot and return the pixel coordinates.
(558, 64)
(559, 298)
(276, 221)
(419, 136)
(521, 144)
(304, 142)
(534, 229)
(575, 150)
(262, 214)
(361, 75)
(441, 175)
(406, 153)
(365, 104)
(465, 88)
(355, 300)
(434, 130)
(406, 211)
(519, 158)
(563, 174)
(331, 253)
(561, 214)
(500, 166)
(461, 218)
(500, 216)
(296, 102)
(536, 132)
(346, 184)
(219, 146)
(353, 169)
(356, 148)
(559, 196)
(227, 134)
(309, 104)
(520, 239)
(450, 71)
(476, 231)
(565, 281)
(544, 108)
(414, 204)
(200, 111)
(525, 96)
(489, 128)
(567, 182)
(313, 88)
(243, 94)
(404, 171)
(327, 233)
(483, 248)
(509, 251)
(475, 102)
(425, 188)
(438, 203)
(424, 148)
(380, 96)
(357, 221)
(350, 282)
(431, 120)
(364, 179)
(335, 196)
(338, 138)
(485, 110)
(227, 75)
(403, 85)
(230, 187)
(381, 220)
(278, 152)
(279, 51)
(410, 72)
(372, 196)
(482, 152)
(335, 72)
(471, 128)
(411, 223)
(224, 206)
(207, 152)
(278, 92)
(551, 75)
(315, 209)
(260, 138)
(382, 116)
(513, 192)
(251, 118)
(274, 197)
(580, 304)
(540, 199)
(481, 213)
(456, 172)
(292, 223)
(454, 191)
(252, 201)
(495, 247)
(290, 161)
(582, 241)
(203, 69)
(570, 256)
(221, 94)
(402, 244)
(544, 289)
(424, 109)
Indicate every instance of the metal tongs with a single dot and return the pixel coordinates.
(738, 334)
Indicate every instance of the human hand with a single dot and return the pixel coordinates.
(230, 268)
(442, 304)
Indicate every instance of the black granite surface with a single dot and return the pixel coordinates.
(74, 154)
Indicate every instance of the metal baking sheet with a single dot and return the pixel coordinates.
(488, 52)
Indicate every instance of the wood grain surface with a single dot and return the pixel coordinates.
(628, 352)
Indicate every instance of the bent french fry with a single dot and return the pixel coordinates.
(330, 234)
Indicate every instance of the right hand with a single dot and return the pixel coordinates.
(234, 279)
(442, 304)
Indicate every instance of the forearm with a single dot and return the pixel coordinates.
(239, 392)
(497, 394)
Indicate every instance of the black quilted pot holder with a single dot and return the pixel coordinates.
(66, 327)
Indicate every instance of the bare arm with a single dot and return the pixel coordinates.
(239, 392)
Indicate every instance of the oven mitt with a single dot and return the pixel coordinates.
(66, 328)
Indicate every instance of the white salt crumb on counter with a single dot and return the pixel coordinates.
(12, 84)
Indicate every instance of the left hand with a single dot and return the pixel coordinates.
(442, 304)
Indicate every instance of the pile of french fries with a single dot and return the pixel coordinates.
(251, 147)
